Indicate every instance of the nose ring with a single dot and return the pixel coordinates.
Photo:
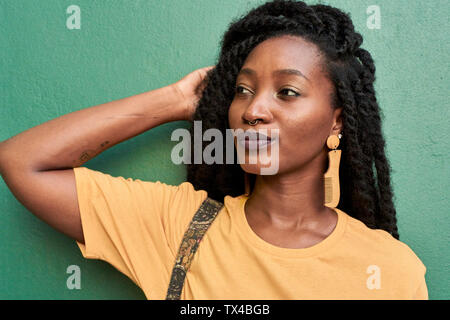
(253, 123)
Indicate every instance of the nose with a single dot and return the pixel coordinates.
(258, 109)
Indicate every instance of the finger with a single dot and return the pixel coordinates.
(204, 71)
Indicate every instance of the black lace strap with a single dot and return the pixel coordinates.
(201, 221)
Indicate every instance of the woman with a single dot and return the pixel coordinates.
(284, 66)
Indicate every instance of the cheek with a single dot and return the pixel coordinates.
(305, 129)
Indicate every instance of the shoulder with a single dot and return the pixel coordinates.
(163, 208)
(102, 179)
(379, 245)
(136, 195)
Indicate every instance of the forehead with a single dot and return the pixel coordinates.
(284, 52)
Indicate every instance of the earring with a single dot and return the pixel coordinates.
(246, 184)
(331, 176)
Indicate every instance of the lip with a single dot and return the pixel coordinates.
(256, 144)
(256, 141)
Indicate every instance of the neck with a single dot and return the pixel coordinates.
(293, 198)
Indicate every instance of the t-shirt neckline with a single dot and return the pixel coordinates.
(258, 242)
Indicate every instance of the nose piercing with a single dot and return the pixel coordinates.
(253, 123)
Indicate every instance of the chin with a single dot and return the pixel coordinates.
(259, 169)
(251, 168)
(261, 162)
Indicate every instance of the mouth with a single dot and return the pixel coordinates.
(255, 140)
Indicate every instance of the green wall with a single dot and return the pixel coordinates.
(127, 47)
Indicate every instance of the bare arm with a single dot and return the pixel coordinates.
(37, 164)
(72, 139)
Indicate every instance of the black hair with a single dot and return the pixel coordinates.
(364, 195)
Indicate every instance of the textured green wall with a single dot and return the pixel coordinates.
(126, 47)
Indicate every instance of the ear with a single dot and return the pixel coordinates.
(337, 121)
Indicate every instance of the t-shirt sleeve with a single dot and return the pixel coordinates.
(417, 276)
(135, 225)
(422, 291)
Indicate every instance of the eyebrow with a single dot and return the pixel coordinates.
(276, 72)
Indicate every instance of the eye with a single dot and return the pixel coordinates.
(238, 89)
(295, 94)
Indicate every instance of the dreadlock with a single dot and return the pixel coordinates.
(364, 195)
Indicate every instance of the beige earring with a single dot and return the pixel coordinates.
(331, 176)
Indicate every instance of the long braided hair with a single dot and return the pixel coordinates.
(364, 195)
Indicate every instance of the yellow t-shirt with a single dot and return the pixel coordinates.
(137, 227)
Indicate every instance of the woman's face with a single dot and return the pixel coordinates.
(297, 101)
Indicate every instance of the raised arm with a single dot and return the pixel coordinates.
(37, 164)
